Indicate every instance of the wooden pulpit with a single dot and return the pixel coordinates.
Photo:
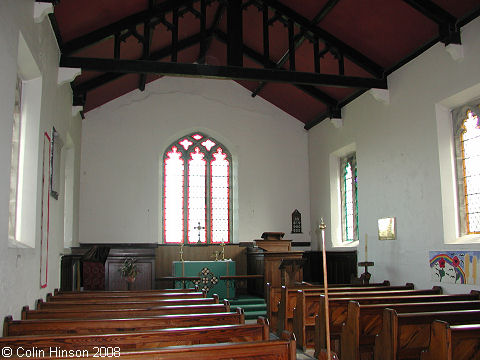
(266, 259)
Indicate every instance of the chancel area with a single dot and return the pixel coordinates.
(264, 179)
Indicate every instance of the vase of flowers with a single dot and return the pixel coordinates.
(129, 269)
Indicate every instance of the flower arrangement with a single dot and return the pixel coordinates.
(129, 269)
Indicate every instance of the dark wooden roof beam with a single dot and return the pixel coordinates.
(207, 40)
(125, 23)
(109, 76)
(448, 30)
(299, 39)
(259, 59)
(234, 33)
(220, 72)
(348, 51)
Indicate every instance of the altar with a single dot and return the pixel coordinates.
(209, 272)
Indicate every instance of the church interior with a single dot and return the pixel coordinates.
(241, 150)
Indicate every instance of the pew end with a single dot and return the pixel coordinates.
(227, 304)
(289, 336)
(323, 355)
(266, 327)
(6, 321)
(25, 310)
(38, 304)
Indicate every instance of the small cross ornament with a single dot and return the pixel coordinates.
(199, 228)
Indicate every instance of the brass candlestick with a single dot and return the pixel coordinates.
(181, 252)
(223, 250)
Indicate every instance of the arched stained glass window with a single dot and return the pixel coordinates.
(349, 198)
(468, 171)
(197, 191)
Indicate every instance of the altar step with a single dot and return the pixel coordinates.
(253, 306)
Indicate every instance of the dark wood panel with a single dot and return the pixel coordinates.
(341, 266)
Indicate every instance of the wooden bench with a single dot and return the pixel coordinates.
(126, 297)
(448, 342)
(126, 313)
(74, 305)
(89, 293)
(289, 298)
(405, 336)
(105, 326)
(338, 308)
(282, 349)
(308, 306)
(144, 339)
(364, 322)
(273, 296)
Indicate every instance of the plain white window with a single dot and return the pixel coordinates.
(25, 150)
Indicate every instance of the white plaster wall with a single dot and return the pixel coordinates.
(398, 162)
(20, 267)
(124, 140)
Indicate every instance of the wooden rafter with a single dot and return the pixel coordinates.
(298, 40)
(447, 23)
(349, 52)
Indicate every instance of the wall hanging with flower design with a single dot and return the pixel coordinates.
(455, 267)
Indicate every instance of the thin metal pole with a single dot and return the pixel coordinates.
(322, 227)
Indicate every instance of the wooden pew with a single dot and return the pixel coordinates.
(364, 322)
(105, 326)
(405, 336)
(59, 305)
(126, 313)
(449, 342)
(282, 349)
(142, 340)
(308, 306)
(289, 298)
(89, 293)
(273, 296)
(338, 315)
(126, 297)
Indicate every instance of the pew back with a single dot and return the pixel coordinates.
(141, 340)
(448, 342)
(104, 326)
(126, 313)
(406, 335)
(79, 305)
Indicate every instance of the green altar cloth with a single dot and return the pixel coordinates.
(210, 272)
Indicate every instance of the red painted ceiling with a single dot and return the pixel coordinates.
(387, 32)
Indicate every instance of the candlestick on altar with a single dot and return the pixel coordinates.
(223, 250)
(322, 227)
(181, 252)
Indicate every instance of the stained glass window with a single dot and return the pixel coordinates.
(470, 172)
(197, 195)
(349, 198)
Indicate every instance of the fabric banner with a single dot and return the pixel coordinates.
(455, 267)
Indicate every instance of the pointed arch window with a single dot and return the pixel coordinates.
(197, 191)
(348, 183)
(467, 147)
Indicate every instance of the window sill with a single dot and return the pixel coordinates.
(347, 244)
(466, 239)
(14, 244)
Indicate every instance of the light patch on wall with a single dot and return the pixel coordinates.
(387, 229)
